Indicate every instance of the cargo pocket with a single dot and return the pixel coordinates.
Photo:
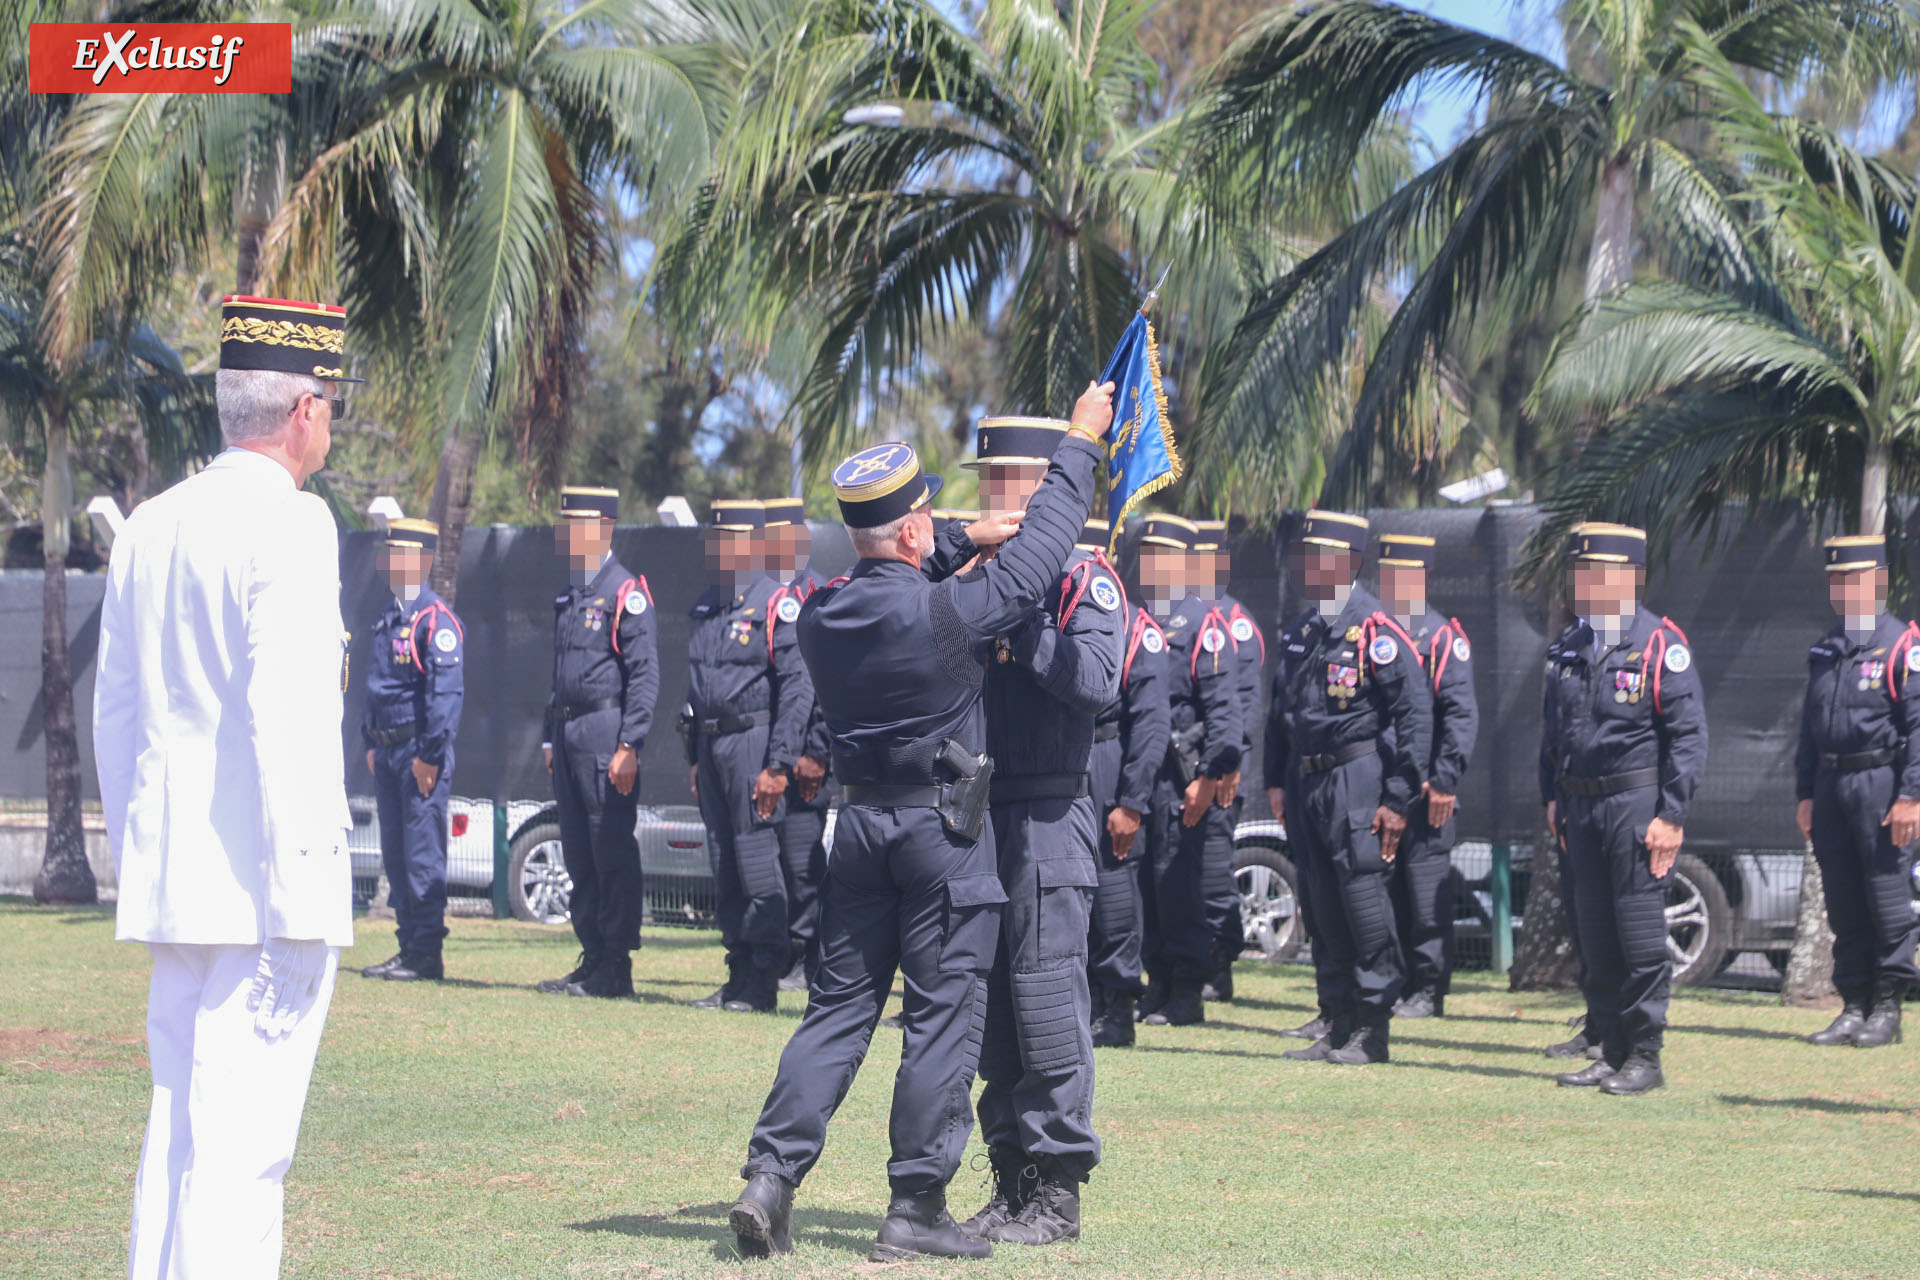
(972, 924)
(1066, 896)
(1363, 845)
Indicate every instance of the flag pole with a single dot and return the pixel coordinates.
(1153, 294)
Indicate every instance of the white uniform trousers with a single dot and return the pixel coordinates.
(226, 1111)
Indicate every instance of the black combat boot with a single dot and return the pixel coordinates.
(581, 972)
(1882, 1026)
(1587, 1077)
(1581, 1046)
(1158, 992)
(1184, 1008)
(421, 966)
(1011, 1177)
(1220, 986)
(611, 981)
(796, 977)
(731, 989)
(762, 1218)
(1367, 1044)
(1336, 1033)
(1051, 1214)
(1113, 1029)
(1841, 1030)
(759, 993)
(1314, 1028)
(1640, 1073)
(1419, 1004)
(385, 967)
(919, 1226)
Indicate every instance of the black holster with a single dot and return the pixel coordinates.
(1185, 748)
(963, 802)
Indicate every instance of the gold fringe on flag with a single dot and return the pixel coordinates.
(1178, 468)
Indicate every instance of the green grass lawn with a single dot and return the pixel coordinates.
(478, 1129)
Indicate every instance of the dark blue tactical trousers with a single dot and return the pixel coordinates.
(1622, 911)
(1178, 947)
(1422, 886)
(902, 893)
(1864, 876)
(1224, 922)
(1114, 928)
(1356, 955)
(1037, 1057)
(413, 847)
(750, 888)
(597, 835)
(803, 862)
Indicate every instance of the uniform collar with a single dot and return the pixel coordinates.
(1886, 629)
(886, 569)
(259, 466)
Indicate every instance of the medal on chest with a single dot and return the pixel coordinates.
(1872, 672)
(401, 655)
(740, 632)
(1627, 686)
(1343, 682)
(596, 618)
(1002, 651)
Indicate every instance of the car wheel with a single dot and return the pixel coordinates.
(1269, 901)
(1699, 921)
(538, 886)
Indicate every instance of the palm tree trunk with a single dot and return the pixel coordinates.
(1610, 262)
(1873, 484)
(452, 500)
(65, 875)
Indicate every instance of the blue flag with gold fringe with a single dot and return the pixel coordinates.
(1141, 458)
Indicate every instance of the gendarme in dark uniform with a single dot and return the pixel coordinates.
(1249, 648)
(1422, 877)
(748, 703)
(1624, 744)
(1347, 736)
(899, 664)
(1204, 749)
(606, 678)
(1129, 743)
(1051, 673)
(1856, 762)
(416, 684)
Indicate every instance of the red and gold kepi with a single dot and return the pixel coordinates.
(284, 336)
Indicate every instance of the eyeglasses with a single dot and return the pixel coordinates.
(337, 403)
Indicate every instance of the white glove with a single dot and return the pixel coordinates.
(286, 984)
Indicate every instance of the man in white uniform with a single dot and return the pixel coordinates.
(216, 725)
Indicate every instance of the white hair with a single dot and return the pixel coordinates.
(876, 543)
(254, 403)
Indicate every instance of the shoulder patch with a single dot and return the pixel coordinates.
(1678, 658)
(444, 640)
(789, 609)
(1461, 649)
(1105, 594)
(1151, 641)
(1913, 657)
(1242, 630)
(1213, 640)
(635, 603)
(1383, 650)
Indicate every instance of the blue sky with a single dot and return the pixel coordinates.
(1440, 114)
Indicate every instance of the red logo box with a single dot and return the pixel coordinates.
(160, 57)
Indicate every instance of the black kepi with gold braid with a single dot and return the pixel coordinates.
(578, 502)
(413, 535)
(1608, 543)
(1856, 551)
(1169, 533)
(1335, 530)
(784, 511)
(283, 336)
(1406, 550)
(878, 485)
(1018, 440)
(739, 515)
(1094, 536)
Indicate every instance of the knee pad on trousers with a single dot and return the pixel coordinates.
(1047, 1011)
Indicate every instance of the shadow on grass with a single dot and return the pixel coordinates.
(1468, 1046)
(1275, 1006)
(1832, 1106)
(1738, 1033)
(828, 1228)
(1913, 1196)
(1466, 1068)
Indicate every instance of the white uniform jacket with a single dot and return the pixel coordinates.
(216, 713)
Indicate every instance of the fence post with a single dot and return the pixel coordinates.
(501, 909)
(1502, 886)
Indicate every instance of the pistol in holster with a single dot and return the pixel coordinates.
(1185, 747)
(963, 802)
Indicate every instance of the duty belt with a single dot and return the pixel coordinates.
(1037, 786)
(392, 737)
(1854, 762)
(1106, 732)
(1610, 785)
(720, 726)
(882, 795)
(564, 713)
(1337, 757)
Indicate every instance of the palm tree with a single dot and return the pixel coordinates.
(442, 160)
(893, 176)
(1551, 175)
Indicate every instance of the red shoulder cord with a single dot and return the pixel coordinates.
(1226, 635)
(1371, 627)
(427, 615)
(1648, 658)
(773, 614)
(1896, 663)
(1137, 633)
(1073, 589)
(620, 604)
(840, 581)
(1238, 615)
(1443, 647)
